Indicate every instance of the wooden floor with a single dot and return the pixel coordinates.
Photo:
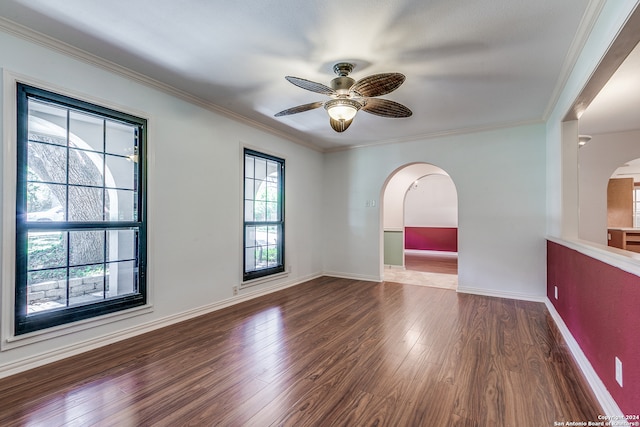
(330, 352)
(431, 262)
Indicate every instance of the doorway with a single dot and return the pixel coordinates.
(420, 227)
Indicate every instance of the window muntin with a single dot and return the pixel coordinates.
(263, 215)
(80, 210)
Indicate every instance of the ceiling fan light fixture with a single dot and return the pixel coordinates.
(342, 108)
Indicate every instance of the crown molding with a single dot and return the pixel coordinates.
(589, 18)
(84, 56)
(442, 134)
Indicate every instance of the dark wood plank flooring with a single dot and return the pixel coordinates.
(431, 262)
(330, 352)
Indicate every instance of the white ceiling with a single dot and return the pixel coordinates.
(469, 64)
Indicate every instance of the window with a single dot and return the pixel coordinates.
(80, 210)
(263, 215)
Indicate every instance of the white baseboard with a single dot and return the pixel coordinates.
(394, 267)
(500, 294)
(35, 361)
(353, 276)
(609, 405)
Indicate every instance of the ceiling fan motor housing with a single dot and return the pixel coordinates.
(342, 84)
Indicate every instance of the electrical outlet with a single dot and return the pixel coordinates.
(555, 289)
(235, 290)
(619, 371)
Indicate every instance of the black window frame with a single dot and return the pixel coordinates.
(23, 321)
(255, 274)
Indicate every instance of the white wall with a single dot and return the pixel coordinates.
(194, 199)
(500, 177)
(598, 160)
(433, 202)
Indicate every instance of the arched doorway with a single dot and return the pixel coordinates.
(419, 227)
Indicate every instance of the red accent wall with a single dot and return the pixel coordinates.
(431, 238)
(600, 304)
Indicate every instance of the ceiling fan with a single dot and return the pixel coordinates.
(349, 96)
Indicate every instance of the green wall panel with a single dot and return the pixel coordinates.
(393, 247)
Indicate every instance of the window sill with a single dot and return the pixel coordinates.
(261, 280)
(11, 341)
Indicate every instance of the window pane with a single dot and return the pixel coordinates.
(85, 168)
(248, 210)
(248, 166)
(261, 247)
(120, 173)
(260, 211)
(248, 189)
(46, 202)
(85, 204)
(272, 192)
(261, 169)
(86, 131)
(260, 190)
(46, 163)
(250, 259)
(273, 235)
(273, 258)
(250, 236)
(120, 139)
(261, 257)
(121, 245)
(272, 171)
(272, 212)
(273, 240)
(47, 123)
(46, 290)
(122, 278)
(86, 284)
(46, 250)
(121, 205)
(86, 247)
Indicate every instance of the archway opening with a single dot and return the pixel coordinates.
(420, 227)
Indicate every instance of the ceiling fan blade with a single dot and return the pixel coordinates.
(339, 125)
(312, 86)
(378, 84)
(386, 108)
(300, 109)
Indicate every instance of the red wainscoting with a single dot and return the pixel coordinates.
(600, 304)
(431, 238)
